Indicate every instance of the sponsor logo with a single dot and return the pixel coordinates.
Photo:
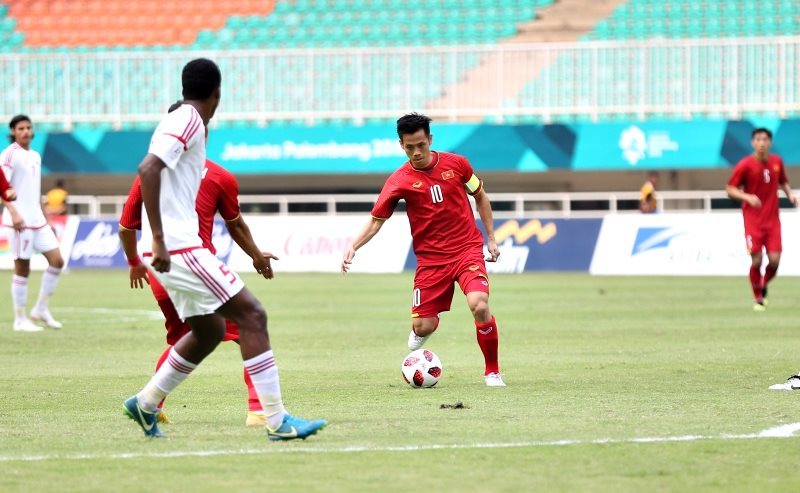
(474, 267)
(776, 168)
(486, 331)
(637, 145)
(446, 175)
(417, 184)
(543, 232)
(98, 247)
(512, 261)
(653, 238)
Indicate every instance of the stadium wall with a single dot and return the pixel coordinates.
(621, 244)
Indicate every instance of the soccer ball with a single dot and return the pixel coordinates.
(422, 368)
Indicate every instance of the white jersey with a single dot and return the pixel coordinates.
(179, 141)
(23, 170)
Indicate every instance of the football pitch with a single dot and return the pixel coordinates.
(614, 384)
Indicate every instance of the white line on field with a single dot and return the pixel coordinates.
(783, 431)
(151, 314)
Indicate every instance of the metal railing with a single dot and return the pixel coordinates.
(583, 80)
(505, 205)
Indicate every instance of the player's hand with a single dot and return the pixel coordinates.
(17, 222)
(139, 276)
(494, 252)
(262, 266)
(10, 195)
(793, 201)
(161, 260)
(348, 259)
(754, 201)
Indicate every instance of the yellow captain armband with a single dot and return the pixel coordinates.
(473, 185)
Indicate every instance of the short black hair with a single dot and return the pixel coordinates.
(16, 120)
(177, 104)
(761, 130)
(60, 183)
(411, 123)
(200, 78)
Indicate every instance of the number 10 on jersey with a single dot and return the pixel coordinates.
(436, 194)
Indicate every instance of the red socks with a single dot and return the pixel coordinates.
(253, 404)
(160, 362)
(769, 274)
(755, 281)
(488, 341)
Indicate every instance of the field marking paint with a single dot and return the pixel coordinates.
(783, 431)
(131, 312)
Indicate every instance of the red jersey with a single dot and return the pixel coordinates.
(442, 224)
(4, 185)
(761, 179)
(219, 191)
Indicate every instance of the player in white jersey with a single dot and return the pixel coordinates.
(22, 167)
(202, 288)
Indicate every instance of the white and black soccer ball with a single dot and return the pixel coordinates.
(422, 368)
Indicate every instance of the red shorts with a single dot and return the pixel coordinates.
(176, 328)
(759, 237)
(433, 285)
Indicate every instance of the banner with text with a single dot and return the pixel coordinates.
(684, 245)
(332, 149)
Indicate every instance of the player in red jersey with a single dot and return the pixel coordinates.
(6, 190)
(448, 244)
(755, 181)
(218, 193)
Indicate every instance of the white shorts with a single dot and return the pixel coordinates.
(28, 241)
(198, 283)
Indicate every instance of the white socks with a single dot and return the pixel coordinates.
(49, 282)
(19, 293)
(174, 371)
(264, 374)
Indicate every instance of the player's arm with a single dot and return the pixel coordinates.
(129, 222)
(7, 192)
(240, 232)
(484, 207)
(787, 189)
(150, 176)
(16, 218)
(138, 271)
(736, 194)
(367, 232)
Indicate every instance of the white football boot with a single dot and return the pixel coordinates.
(25, 325)
(494, 380)
(793, 383)
(43, 315)
(416, 342)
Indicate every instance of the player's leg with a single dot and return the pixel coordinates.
(755, 245)
(22, 248)
(255, 412)
(249, 315)
(474, 282)
(195, 287)
(774, 247)
(432, 294)
(45, 241)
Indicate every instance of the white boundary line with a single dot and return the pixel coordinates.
(783, 431)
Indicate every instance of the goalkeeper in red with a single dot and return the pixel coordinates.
(447, 243)
(755, 181)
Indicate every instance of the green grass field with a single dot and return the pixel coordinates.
(593, 365)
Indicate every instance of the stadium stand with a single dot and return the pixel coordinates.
(650, 20)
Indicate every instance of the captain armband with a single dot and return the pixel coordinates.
(473, 185)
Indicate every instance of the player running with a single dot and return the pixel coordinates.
(759, 175)
(204, 291)
(22, 167)
(218, 193)
(448, 244)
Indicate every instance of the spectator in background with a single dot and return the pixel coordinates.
(56, 200)
(647, 202)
